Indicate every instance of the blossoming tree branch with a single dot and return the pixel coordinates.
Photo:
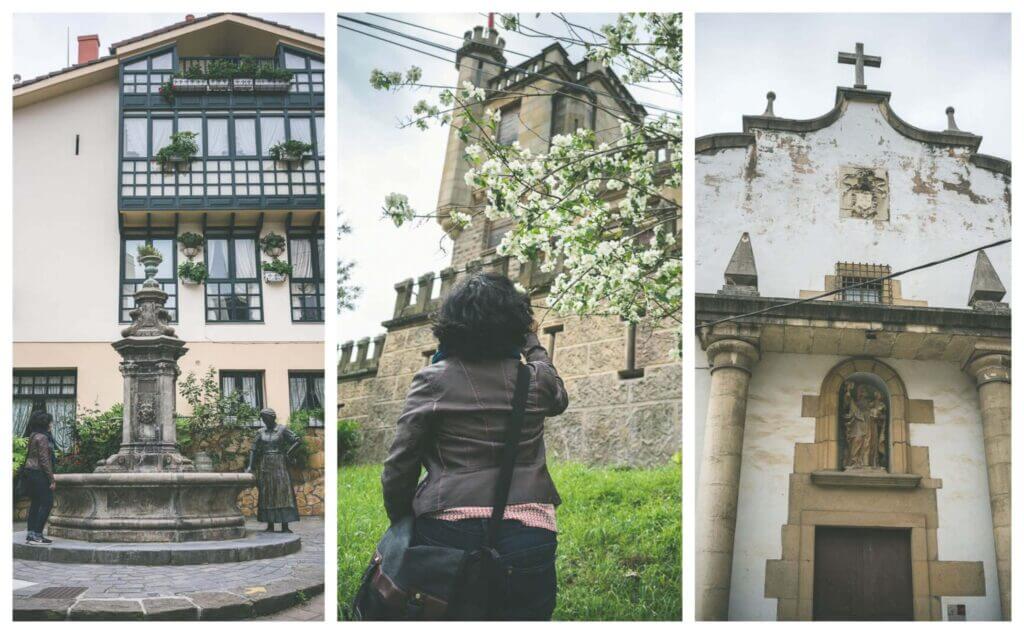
(600, 210)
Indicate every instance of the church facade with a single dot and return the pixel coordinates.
(852, 428)
(623, 380)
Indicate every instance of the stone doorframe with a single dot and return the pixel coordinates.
(822, 495)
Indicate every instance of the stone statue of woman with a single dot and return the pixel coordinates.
(269, 460)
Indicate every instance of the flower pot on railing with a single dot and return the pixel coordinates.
(273, 277)
(272, 85)
(182, 84)
(219, 85)
(242, 85)
(175, 163)
(187, 281)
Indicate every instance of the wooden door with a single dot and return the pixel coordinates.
(862, 574)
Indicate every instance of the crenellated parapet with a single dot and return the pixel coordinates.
(356, 361)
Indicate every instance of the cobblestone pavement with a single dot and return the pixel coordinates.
(138, 582)
(313, 610)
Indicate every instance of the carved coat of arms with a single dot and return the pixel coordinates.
(864, 193)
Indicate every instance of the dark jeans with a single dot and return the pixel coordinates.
(38, 487)
(527, 562)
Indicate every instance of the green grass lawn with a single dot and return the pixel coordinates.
(619, 541)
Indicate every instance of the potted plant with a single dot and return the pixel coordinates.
(276, 271)
(191, 244)
(290, 151)
(272, 244)
(150, 258)
(246, 75)
(167, 92)
(269, 78)
(192, 273)
(192, 79)
(179, 151)
(220, 73)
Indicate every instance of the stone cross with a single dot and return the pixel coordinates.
(860, 60)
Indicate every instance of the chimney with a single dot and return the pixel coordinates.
(88, 48)
(190, 18)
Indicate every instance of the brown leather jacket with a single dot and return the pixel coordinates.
(453, 425)
(38, 457)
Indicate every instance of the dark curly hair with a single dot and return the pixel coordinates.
(483, 317)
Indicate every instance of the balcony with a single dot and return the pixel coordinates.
(164, 81)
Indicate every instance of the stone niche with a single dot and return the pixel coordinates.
(822, 493)
(864, 193)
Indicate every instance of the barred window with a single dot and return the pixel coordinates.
(849, 274)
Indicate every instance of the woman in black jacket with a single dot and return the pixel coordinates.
(453, 424)
(38, 474)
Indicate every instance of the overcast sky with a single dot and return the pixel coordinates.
(929, 62)
(378, 158)
(41, 39)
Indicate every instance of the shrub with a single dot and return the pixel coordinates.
(349, 439)
(193, 271)
(273, 73)
(96, 435)
(19, 453)
(211, 409)
(221, 69)
(298, 423)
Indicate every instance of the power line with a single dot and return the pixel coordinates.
(858, 284)
(503, 66)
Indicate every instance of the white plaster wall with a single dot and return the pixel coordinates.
(773, 428)
(66, 234)
(790, 207)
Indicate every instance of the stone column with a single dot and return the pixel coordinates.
(989, 365)
(731, 357)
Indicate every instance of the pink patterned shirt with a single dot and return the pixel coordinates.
(532, 515)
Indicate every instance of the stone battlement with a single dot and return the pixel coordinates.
(362, 364)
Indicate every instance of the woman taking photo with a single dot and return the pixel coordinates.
(454, 423)
(38, 474)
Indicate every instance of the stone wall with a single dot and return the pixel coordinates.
(611, 420)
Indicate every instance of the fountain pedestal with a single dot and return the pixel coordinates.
(148, 491)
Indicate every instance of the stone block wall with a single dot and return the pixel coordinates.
(610, 421)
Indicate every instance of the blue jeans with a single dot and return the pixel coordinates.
(527, 562)
(38, 488)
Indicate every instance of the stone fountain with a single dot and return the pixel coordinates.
(148, 491)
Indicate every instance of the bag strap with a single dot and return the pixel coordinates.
(508, 456)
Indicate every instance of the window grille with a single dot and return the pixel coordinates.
(850, 273)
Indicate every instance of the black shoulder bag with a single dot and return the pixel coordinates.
(425, 583)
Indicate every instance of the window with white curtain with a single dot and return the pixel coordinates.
(245, 137)
(133, 274)
(299, 128)
(306, 393)
(248, 385)
(217, 137)
(161, 134)
(320, 136)
(233, 287)
(293, 61)
(271, 133)
(307, 279)
(194, 125)
(51, 391)
(162, 62)
(134, 137)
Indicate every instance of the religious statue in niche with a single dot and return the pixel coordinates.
(864, 417)
(865, 193)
